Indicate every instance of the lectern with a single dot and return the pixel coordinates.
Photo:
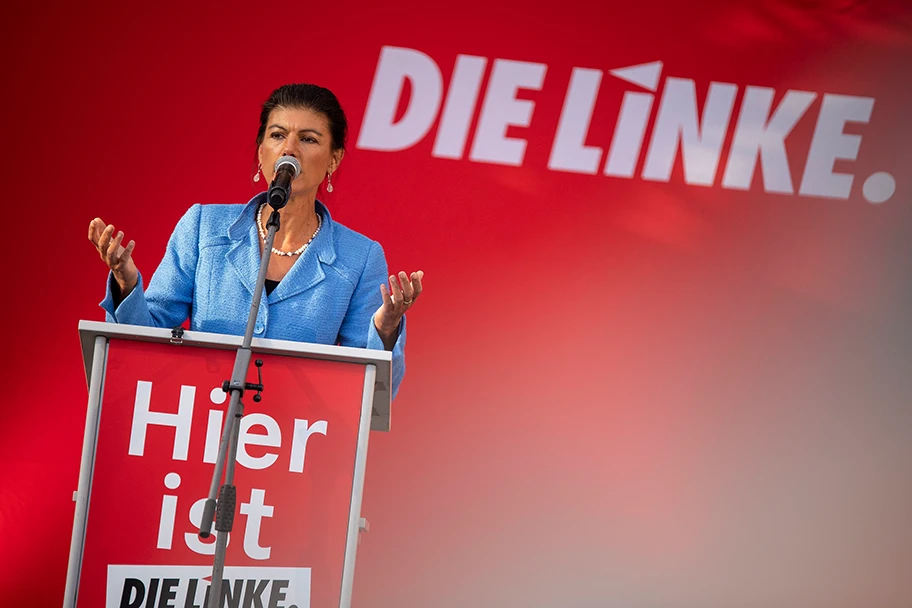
(153, 425)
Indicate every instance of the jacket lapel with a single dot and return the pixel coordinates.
(244, 254)
(307, 271)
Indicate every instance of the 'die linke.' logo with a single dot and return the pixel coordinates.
(760, 130)
(188, 587)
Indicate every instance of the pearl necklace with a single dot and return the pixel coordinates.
(299, 250)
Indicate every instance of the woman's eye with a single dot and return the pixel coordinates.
(309, 140)
(276, 135)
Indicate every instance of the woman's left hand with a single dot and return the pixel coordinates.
(398, 296)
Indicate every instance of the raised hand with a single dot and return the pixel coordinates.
(118, 257)
(398, 297)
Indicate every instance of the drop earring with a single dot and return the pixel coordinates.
(329, 183)
(256, 176)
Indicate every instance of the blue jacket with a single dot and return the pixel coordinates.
(210, 268)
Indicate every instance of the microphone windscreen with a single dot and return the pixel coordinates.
(288, 162)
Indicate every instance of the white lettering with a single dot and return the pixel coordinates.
(192, 539)
(677, 123)
(142, 417)
(255, 510)
(570, 152)
(378, 131)
(168, 512)
(628, 134)
(459, 106)
(213, 436)
(831, 144)
(272, 438)
(302, 433)
(501, 110)
(759, 134)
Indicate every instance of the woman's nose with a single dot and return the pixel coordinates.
(290, 148)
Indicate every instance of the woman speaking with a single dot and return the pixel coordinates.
(325, 284)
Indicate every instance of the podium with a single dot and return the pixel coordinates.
(153, 424)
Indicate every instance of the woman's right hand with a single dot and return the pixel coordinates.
(118, 258)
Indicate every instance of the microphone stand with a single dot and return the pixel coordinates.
(223, 508)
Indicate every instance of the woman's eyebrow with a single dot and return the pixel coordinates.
(274, 126)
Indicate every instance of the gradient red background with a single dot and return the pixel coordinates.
(618, 392)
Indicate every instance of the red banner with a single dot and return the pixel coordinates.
(160, 423)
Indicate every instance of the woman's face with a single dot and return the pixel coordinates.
(304, 134)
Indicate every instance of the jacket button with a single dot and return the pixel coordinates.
(259, 328)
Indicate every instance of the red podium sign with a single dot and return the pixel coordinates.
(159, 426)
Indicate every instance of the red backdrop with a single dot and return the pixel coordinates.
(620, 390)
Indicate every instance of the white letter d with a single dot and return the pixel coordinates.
(378, 131)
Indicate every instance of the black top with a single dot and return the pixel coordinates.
(270, 285)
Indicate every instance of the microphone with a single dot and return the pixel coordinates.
(286, 169)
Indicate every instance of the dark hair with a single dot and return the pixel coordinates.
(310, 97)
